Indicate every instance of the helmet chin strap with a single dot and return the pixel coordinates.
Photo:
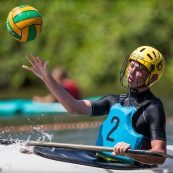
(137, 88)
(140, 87)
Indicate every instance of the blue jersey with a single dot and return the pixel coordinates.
(118, 128)
(149, 120)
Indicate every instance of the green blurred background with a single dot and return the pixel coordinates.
(90, 38)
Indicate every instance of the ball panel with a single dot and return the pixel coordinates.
(28, 22)
(13, 25)
(38, 29)
(19, 10)
(26, 15)
(32, 33)
(12, 32)
(24, 36)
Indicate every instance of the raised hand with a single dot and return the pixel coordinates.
(39, 67)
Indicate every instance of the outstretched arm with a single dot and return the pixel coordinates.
(40, 69)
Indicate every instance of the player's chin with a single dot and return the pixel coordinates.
(132, 84)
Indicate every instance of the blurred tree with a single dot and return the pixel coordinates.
(89, 38)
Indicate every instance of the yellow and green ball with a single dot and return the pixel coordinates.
(24, 23)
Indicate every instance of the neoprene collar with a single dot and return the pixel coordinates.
(140, 96)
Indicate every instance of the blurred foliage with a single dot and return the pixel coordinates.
(89, 38)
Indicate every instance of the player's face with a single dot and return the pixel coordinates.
(136, 74)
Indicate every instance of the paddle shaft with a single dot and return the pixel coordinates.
(95, 148)
(73, 146)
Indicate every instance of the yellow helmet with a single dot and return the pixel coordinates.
(151, 58)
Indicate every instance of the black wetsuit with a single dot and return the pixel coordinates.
(149, 120)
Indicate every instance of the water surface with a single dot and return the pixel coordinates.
(79, 136)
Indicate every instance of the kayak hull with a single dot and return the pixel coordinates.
(12, 160)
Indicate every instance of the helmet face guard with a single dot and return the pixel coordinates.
(147, 56)
(123, 73)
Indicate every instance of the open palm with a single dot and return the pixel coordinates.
(39, 67)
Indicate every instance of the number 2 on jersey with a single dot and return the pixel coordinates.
(117, 120)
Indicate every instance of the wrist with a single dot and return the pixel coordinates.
(47, 77)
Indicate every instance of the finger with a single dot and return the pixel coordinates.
(121, 147)
(33, 55)
(29, 59)
(26, 67)
(46, 64)
(125, 147)
(37, 59)
(114, 153)
(115, 149)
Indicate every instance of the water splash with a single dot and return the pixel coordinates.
(44, 135)
(15, 144)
